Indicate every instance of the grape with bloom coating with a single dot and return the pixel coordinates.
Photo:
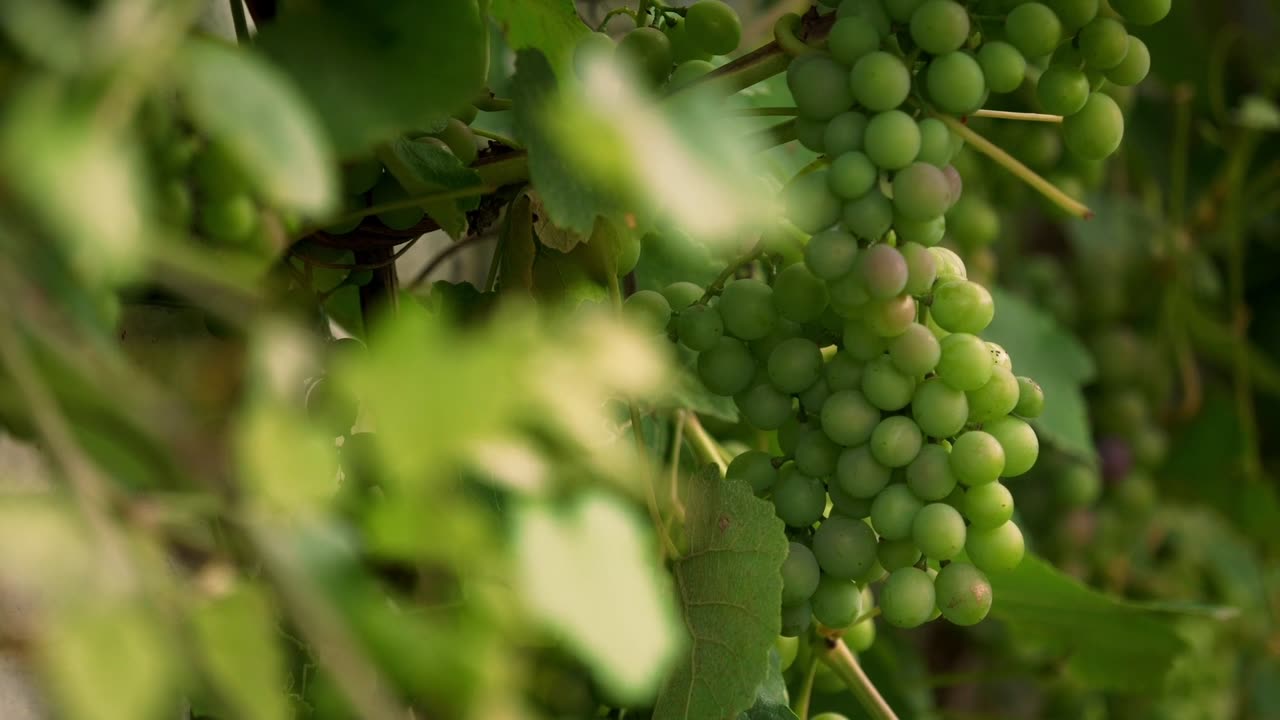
(820, 86)
(700, 327)
(879, 81)
(746, 307)
(1033, 29)
(848, 419)
(800, 575)
(851, 38)
(884, 386)
(939, 531)
(999, 549)
(798, 295)
(754, 467)
(977, 458)
(830, 254)
(1019, 441)
(939, 409)
(907, 599)
(845, 548)
(810, 205)
(896, 441)
(995, 399)
(798, 499)
(929, 476)
(1030, 398)
(859, 474)
(795, 364)
(845, 133)
(920, 192)
(940, 26)
(893, 512)
(988, 506)
(1096, 131)
(764, 406)
(1003, 66)
(916, 351)
(965, 363)
(962, 306)
(892, 139)
(851, 175)
(727, 368)
(955, 83)
(836, 602)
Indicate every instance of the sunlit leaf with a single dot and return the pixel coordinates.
(239, 644)
(552, 26)
(590, 574)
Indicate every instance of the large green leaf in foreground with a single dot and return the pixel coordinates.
(730, 587)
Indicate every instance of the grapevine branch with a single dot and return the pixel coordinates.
(1022, 172)
(837, 656)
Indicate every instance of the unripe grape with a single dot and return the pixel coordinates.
(830, 254)
(649, 308)
(714, 26)
(893, 511)
(796, 619)
(955, 83)
(1019, 441)
(859, 474)
(816, 455)
(794, 364)
(937, 145)
(820, 86)
(999, 549)
(939, 531)
(1135, 66)
(896, 441)
(851, 38)
(890, 318)
(1096, 131)
(885, 386)
(939, 409)
(977, 458)
(995, 399)
(907, 599)
(950, 266)
(754, 467)
(764, 406)
(845, 548)
(746, 307)
(892, 139)
(916, 351)
(961, 306)
(649, 52)
(727, 368)
(987, 506)
(1033, 28)
(851, 175)
(799, 500)
(965, 363)
(1142, 12)
(929, 476)
(1062, 90)
(809, 203)
(1030, 398)
(963, 594)
(922, 267)
(879, 81)
(848, 419)
(1103, 43)
(940, 26)
(869, 217)
(1003, 66)
(800, 575)
(920, 191)
(845, 133)
(884, 271)
(798, 295)
(836, 602)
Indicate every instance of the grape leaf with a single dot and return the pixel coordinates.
(552, 26)
(730, 587)
(254, 111)
(435, 168)
(771, 695)
(236, 635)
(372, 73)
(1111, 644)
(569, 196)
(1047, 353)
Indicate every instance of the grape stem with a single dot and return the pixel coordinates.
(765, 111)
(732, 269)
(868, 615)
(1008, 162)
(668, 548)
(677, 442)
(1012, 115)
(784, 33)
(837, 656)
(704, 444)
(801, 704)
(604, 22)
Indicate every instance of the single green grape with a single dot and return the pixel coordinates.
(977, 458)
(893, 511)
(851, 38)
(796, 619)
(812, 133)
(929, 476)
(231, 219)
(788, 648)
(907, 599)
(884, 271)
(890, 318)
(1033, 29)
(848, 419)
(939, 531)
(845, 548)
(714, 26)
(1142, 12)
(809, 203)
(879, 81)
(649, 309)
(962, 306)
(830, 254)
(870, 10)
(987, 506)
(688, 71)
(859, 474)
(892, 139)
(996, 550)
(1062, 90)
(950, 266)
(955, 83)
(920, 191)
(798, 295)
(820, 86)
(995, 399)
(1135, 66)
(937, 146)
(922, 267)
(836, 602)
(845, 504)
(999, 356)
(965, 363)
(926, 233)
(859, 637)
(869, 217)
(728, 368)
(1103, 43)
(894, 554)
(816, 455)
(682, 294)
(845, 132)
(901, 10)
(754, 467)
(648, 51)
(800, 574)
(940, 26)
(896, 441)
(1019, 441)
(973, 222)
(700, 327)
(843, 372)
(795, 364)
(1003, 66)
(799, 500)
(861, 343)
(885, 386)
(915, 352)
(1074, 14)
(1096, 131)
(814, 397)
(939, 409)
(963, 593)
(764, 406)
(1030, 398)
(852, 175)
(746, 307)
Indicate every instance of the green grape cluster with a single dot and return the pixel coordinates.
(205, 191)
(674, 47)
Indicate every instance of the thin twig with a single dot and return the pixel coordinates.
(677, 440)
(1011, 115)
(705, 444)
(442, 256)
(310, 261)
(242, 26)
(800, 706)
(496, 137)
(732, 269)
(836, 655)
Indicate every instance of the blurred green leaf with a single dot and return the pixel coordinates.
(1110, 644)
(110, 659)
(730, 586)
(688, 392)
(1258, 113)
(289, 466)
(253, 110)
(590, 574)
(551, 26)
(1049, 354)
(374, 74)
(239, 644)
(436, 168)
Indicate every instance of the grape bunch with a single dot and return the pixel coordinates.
(672, 48)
